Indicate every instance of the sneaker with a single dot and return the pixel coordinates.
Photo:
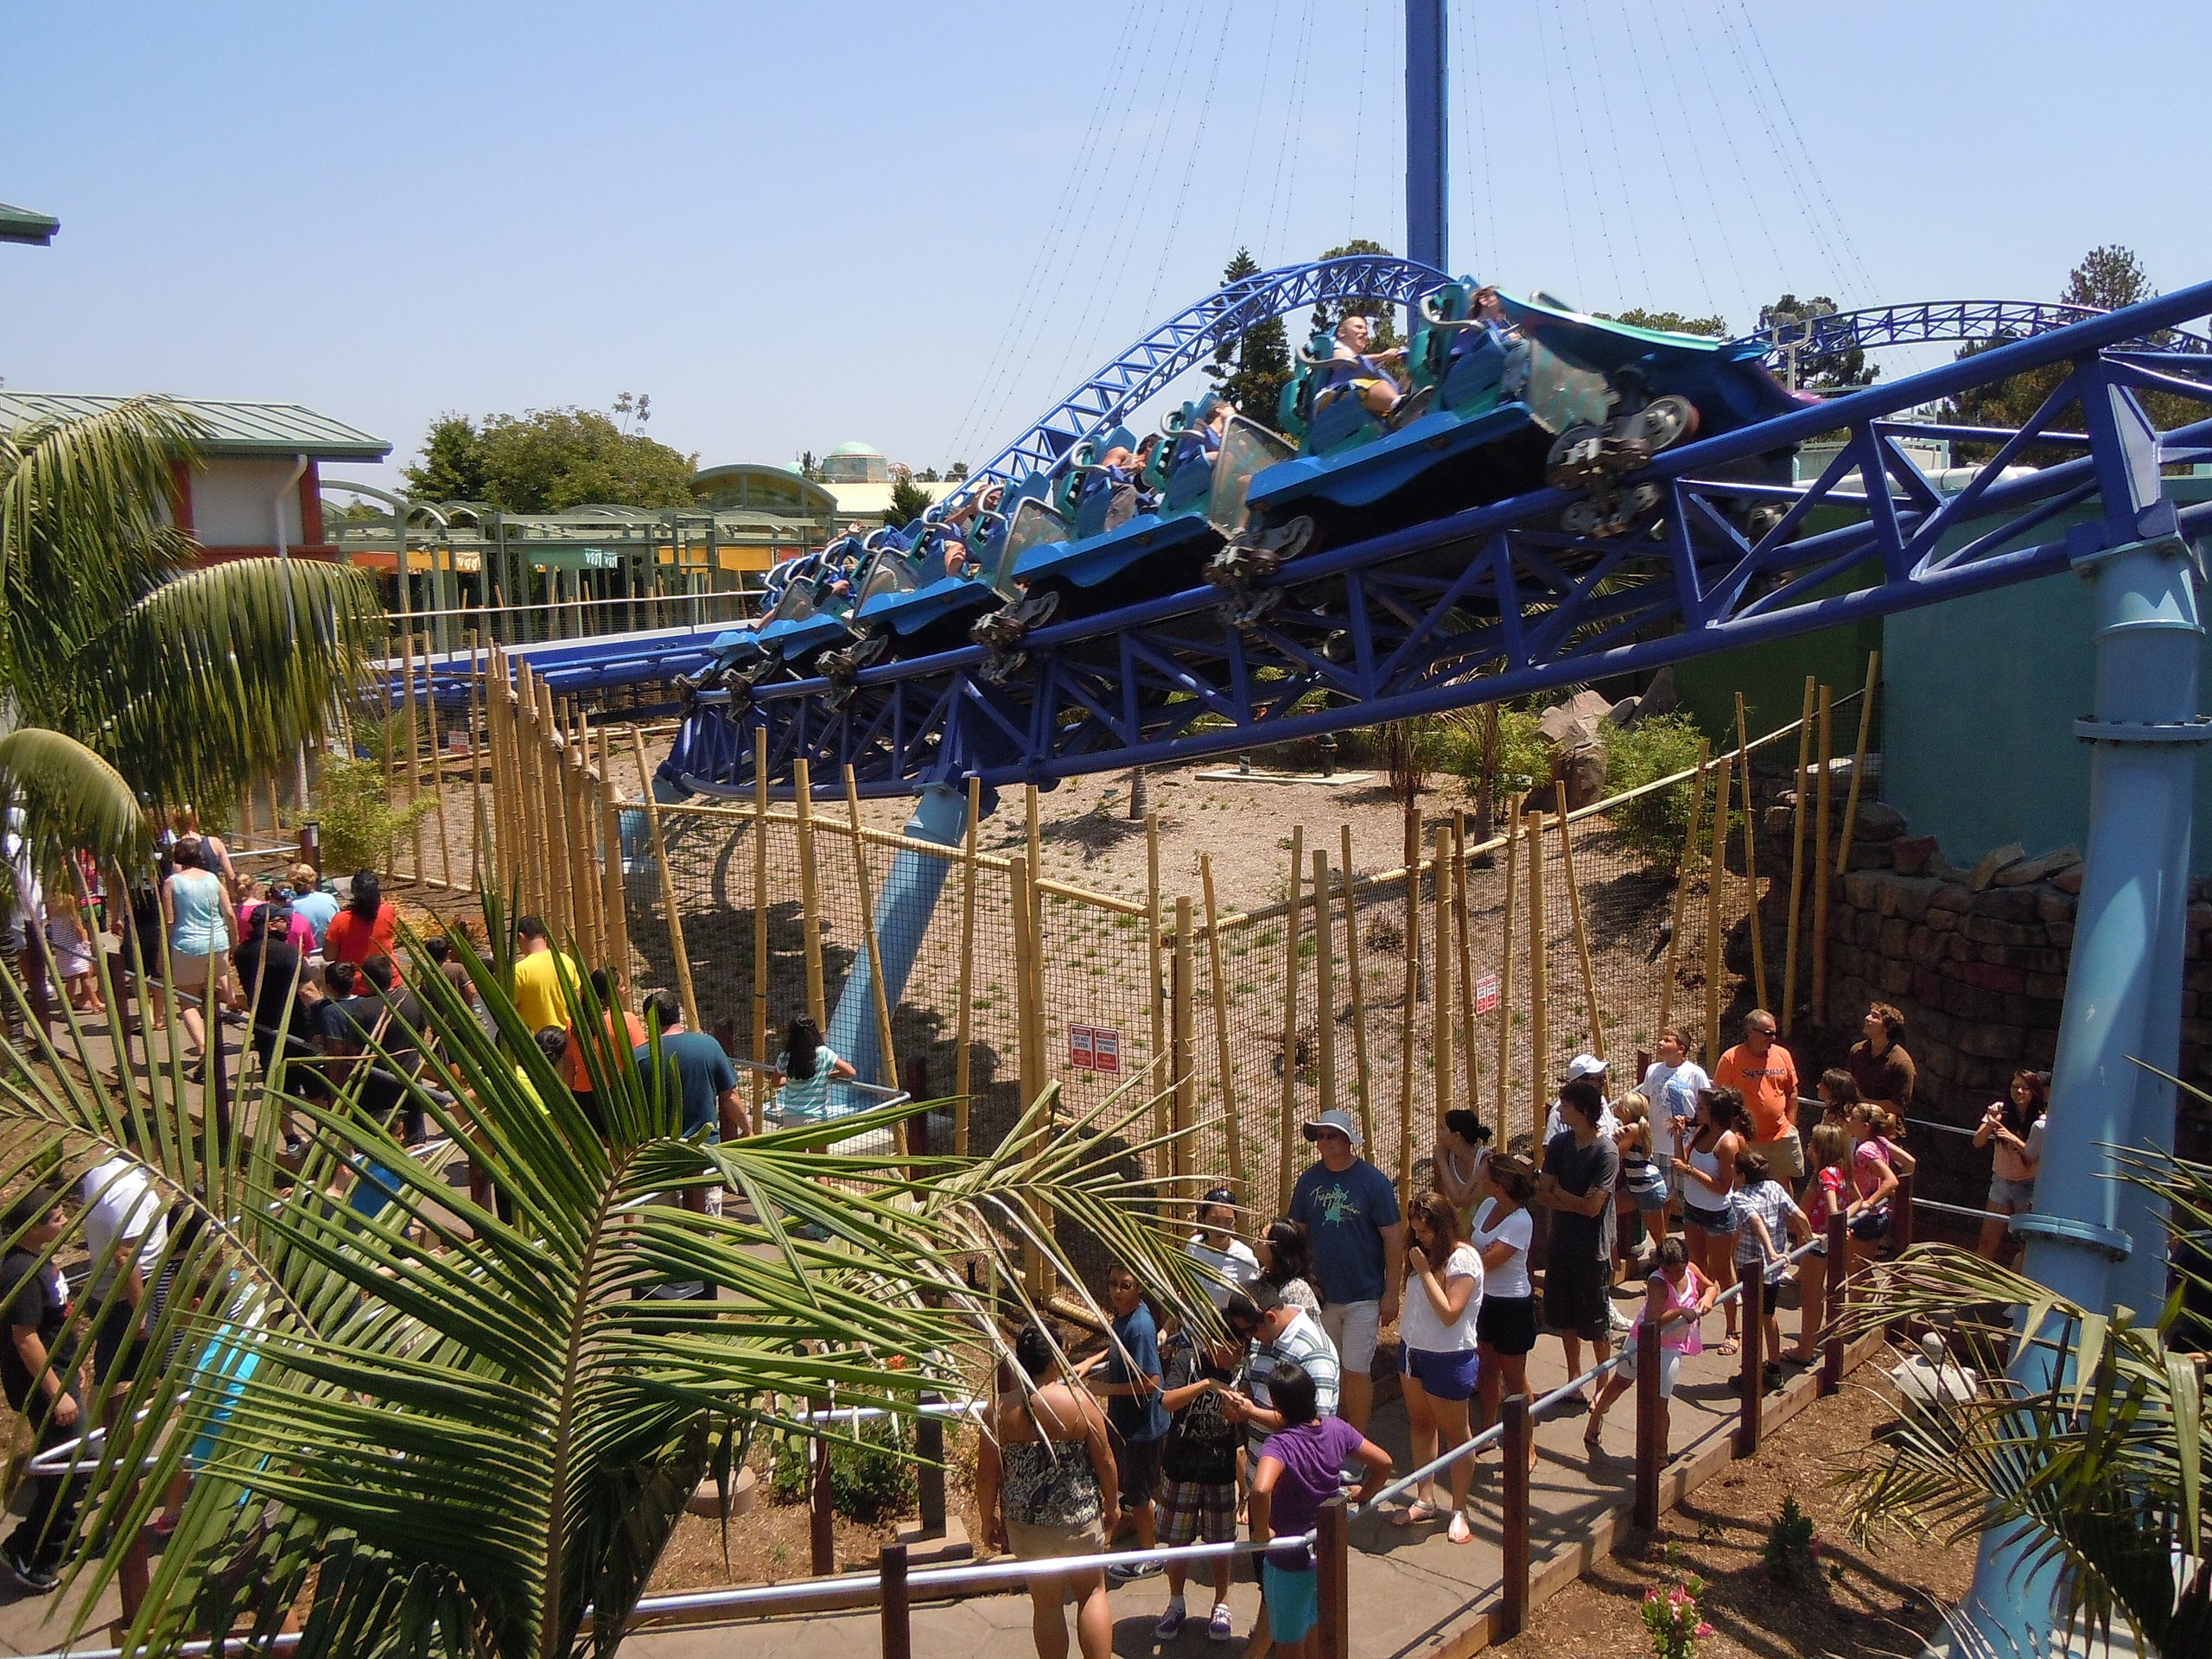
(1222, 1627)
(1170, 1622)
(1123, 1572)
(1621, 1323)
(30, 1577)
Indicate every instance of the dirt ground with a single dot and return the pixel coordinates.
(1879, 1603)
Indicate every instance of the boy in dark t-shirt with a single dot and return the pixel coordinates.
(1197, 1465)
(41, 1383)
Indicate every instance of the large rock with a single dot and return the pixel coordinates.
(2001, 858)
(2029, 871)
(1577, 723)
(1910, 854)
(1878, 821)
(1657, 698)
(1583, 772)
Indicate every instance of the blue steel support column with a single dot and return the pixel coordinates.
(1427, 75)
(902, 917)
(2091, 1238)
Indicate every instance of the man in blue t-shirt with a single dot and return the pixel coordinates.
(1349, 1212)
(703, 1073)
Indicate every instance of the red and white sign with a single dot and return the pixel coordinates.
(1486, 994)
(1095, 1048)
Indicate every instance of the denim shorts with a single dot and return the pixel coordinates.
(1441, 1375)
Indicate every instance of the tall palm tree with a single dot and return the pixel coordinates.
(2099, 1472)
(127, 674)
(448, 1432)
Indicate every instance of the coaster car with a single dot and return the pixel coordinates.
(737, 649)
(814, 612)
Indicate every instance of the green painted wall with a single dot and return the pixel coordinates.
(1771, 676)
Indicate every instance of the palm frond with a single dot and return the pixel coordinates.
(68, 794)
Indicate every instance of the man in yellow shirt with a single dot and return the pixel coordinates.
(539, 974)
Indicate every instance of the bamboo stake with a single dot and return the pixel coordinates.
(1751, 857)
(498, 859)
(532, 758)
(583, 873)
(760, 964)
(614, 900)
(1180, 1030)
(1289, 1124)
(1363, 1081)
(817, 1000)
(675, 947)
(1539, 1047)
(476, 850)
(1505, 974)
(1691, 848)
(963, 1024)
(1034, 1271)
(438, 768)
(1220, 989)
(1802, 782)
(1441, 1038)
(1408, 1010)
(1821, 868)
(1581, 927)
(1460, 928)
(1153, 941)
(553, 795)
(414, 752)
(1325, 978)
(866, 879)
(390, 763)
(1858, 765)
(1715, 891)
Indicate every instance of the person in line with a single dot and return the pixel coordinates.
(576, 1070)
(273, 971)
(1875, 1161)
(1300, 1469)
(1505, 1326)
(73, 950)
(804, 1071)
(713, 1104)
(543, 977)
(1276, 1331)
(1879, 1065)
(2013, 1126)
(368, 926)
(1580, 1166)
(1227, 1260)
(1677, 1297)
(184, 822)
(1708, 1166)
(384, 1015)
(254, 896)
(1127, 1377)
(202, 927)
(1437, 1351)
(44, 1383)
(1197, 1465)
(1044, 1486)
(1581, 1068)
(1825, 1195)
(312, 902)
(1463, 1145)
(1768, 1221)
(1350, 1212)
(1767, 1076)
(1672, 1083)
(1286, 1263)
(1643, 1187)
(125, 1233)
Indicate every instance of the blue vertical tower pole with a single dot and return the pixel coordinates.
(2091, 1237)
(1427, 74)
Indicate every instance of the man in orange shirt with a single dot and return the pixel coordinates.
(1762, 1068)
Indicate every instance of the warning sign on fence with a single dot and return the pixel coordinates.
(1095, 1048)
(1486, 994)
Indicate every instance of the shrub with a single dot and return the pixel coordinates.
(1672, 1616)
(865, 1485)
(1453, 743)
(1790, 1548)
(1654, 825)
(359, 820)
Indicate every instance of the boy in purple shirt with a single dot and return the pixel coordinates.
(1299, 1470)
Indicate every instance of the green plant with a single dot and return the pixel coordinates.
(1654, 825)
(1791, 1547)
(1673, 1615)
(358, 817)
(868, 1481)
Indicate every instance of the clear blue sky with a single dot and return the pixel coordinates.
(796, 223)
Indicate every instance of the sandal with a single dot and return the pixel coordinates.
(1416, 1514)
(1596, 1428)
(1728, 1345)
(1460, 1532)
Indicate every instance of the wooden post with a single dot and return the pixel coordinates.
(1513, 1592)
(1325, 978)
(1539, 1040)
(614, 900)
(478, 859)
(1751, 857)
(1797, 855)
(437, 766)
(414, 752)
(1289, 1112)
(929, 1452)
(583, 878)
(898, 1636)
(1440, 1009)
(1751, 1379)
(1821, 868)
(1691, 846)
(1219, 987)
(667, 889)
(1363, 1081)
(1503, 1068)
(1466, 975)
(1026, 1019)
(821, 1537)
(964, 1022)
(1187, 1092)
(1408, 1013)
(761, 964)
(1156, 1002)
(866, 879)
(818, 1000)
(1857, 764)
(1838, 1292)
(1651, 1426)
(566, 925)
(1715, 887)
(1331, 1560)
(1901, 1213)
(1581, 927)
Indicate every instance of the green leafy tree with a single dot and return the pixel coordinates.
(119, 660)
(1672, 322)
(1834, 373)
(549, 459)
(909, 500)
(430, 1426)
(1261, 357)
(451, 466)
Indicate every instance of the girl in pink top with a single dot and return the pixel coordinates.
(1823, 1198)
(1678, 1299)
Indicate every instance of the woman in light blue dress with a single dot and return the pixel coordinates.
(803, 1073)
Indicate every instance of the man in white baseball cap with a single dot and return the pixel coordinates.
(1349, 1211)
(1590, 1066)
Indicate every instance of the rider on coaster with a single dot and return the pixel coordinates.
(1377, 391)
(957, 524)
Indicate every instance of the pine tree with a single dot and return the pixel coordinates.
(1262, 356)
